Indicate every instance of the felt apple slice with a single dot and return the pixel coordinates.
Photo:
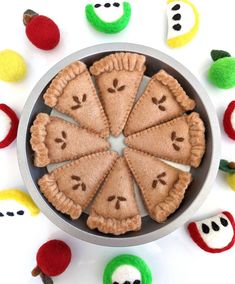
(229, 120)
(9, 125)
(214, 235)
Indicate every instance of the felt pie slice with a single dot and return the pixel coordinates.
(72, 187)
(163, 100)
(115, 209)
(181, 140)
(72, 92)
(55, 140)
(162, 186)
(118, 78)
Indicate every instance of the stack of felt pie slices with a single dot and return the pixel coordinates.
(157, 126)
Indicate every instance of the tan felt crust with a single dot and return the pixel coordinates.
(184, 101)
(113, 226)
(60, 82)
(38, 136)
(38, 140)
(176, 90)
(58, 199)
(173, 200)
(119, 61)
(175, 196)
(196, 139)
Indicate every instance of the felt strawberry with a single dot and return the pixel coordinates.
(229, 120)
(53, 258)
(41, 30)
(9, 125)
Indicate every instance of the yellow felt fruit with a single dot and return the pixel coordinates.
(183, 22)
(231, 181)
(12, 66)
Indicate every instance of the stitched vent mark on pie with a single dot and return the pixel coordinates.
(162, 186)
(71, 188)
(72, 92)
(181, 140)
(163, 100)
(55, 140)
(118, 77)
(115, 209)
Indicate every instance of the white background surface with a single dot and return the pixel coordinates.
(174, 259)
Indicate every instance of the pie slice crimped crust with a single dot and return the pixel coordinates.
(118, 77)
(115, 210)
(72, 92)
(55, 140)
(162, 100)
(162, 186)
(181, 140)
(72, 187)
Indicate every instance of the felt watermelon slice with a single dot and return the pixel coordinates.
(214, 235)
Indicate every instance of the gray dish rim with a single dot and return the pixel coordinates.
(103, 240)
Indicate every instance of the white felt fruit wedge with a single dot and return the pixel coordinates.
(215, 234)
(183, 22)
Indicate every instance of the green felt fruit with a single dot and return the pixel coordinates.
(222, 73)
(227, 167)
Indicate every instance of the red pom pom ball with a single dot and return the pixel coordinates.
(41, 30)
(52, 258)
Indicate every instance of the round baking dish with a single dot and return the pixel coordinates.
(204, 176)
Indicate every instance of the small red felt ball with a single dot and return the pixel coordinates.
(41, 30)
(53, 257)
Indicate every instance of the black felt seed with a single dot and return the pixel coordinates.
(176, 7)
(205, 229)
(1, 215)
(177, 27)
(136, 282)
(21, 212)
(116, 4)
(107, 5)
(176, 17)
(215, 227)
(224, 222)
(97, 5)
(127, 282)
(11, 214)
(115, 282)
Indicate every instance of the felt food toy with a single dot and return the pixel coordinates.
(21, 198)
(183, 22)
(9, 125)
(55, 140)
(53, 258)
(163, 100)
(41, 30)
(222, 71)
(182, 140)
(163, 187)
(214, 235)
(115, 209)
(118, 77)
(12, 66)
(72, 187)
(72, 92)
(127, 269)
(109, 18)
(229, 169)
(229, 120)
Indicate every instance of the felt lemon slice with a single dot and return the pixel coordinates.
(109, 19)
(183, 22)
(20, 197)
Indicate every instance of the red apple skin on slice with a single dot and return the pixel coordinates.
(210, 234)
(229, 120)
